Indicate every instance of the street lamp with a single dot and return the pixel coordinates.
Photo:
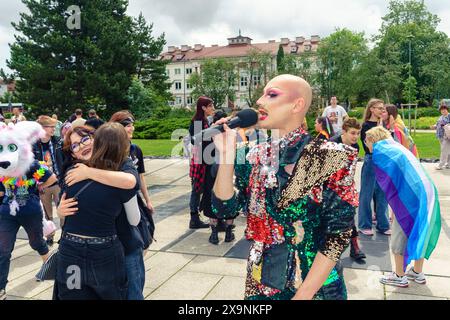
(329, 75)
(409, 37)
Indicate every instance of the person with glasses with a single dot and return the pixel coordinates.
(49, 150)
(90, 243)
(370, 189)
(78, 150)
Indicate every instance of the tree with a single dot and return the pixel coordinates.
(151, 70)
(413, 29)
(301, 65)
(65, 68)
(145, 101)
(257, 66)
(339, 57)
(280, 60)
(410, 90)
(8, 96)
(216, 80)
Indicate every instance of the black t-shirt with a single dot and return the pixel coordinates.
(366, 127)
(338, 139)
(137, 157)
(98, 208)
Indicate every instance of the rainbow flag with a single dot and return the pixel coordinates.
(412, 196)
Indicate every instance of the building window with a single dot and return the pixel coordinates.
(168, 72)
(256, 80)
(189, 100)
(244, 81)
(178, 71)
(171, 103)
(178, 100)
(188, 70)
(177, 85)
(188, 86)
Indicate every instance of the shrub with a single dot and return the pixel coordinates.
(159, 129)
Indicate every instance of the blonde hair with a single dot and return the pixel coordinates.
(372, 103)
(377, 134)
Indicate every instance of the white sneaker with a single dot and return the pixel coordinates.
(417, 277)
(2, 294)
(439, 168)
(392, 279)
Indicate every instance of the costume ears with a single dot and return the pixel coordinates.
(29, 131)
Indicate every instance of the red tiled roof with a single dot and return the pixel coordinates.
(234, 50)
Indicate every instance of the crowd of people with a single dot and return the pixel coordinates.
(299, 197)
(93, 174)
(296, 190)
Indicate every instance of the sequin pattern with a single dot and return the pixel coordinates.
(311, 216)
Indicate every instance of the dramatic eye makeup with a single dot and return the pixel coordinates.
(272, 93)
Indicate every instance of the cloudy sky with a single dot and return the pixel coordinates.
(213, 21)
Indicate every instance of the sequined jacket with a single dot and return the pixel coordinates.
(310, 211)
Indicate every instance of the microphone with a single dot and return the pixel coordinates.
(244, 119)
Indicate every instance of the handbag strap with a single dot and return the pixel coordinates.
(84, 188)
(75, 197)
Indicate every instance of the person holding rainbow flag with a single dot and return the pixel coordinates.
(413, 197)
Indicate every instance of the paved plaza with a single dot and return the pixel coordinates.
(182, 264)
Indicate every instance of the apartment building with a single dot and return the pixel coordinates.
(185, 60)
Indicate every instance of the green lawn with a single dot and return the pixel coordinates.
(159, 147)
(427, 144)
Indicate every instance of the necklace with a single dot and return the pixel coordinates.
(20, 182)
(17, 185)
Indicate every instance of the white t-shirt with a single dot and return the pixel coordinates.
(338, 112)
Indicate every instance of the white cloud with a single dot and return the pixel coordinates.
(213, 21)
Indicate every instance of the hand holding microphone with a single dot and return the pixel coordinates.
(244, 119)
(226, 142)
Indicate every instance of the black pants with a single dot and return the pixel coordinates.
(90, 271)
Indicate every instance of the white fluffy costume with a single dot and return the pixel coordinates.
(20, 176)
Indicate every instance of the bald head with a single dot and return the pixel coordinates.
(296, 86)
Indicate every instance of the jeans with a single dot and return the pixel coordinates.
(370, 189)
(9, 225)
(90, 271)
(134, 263)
